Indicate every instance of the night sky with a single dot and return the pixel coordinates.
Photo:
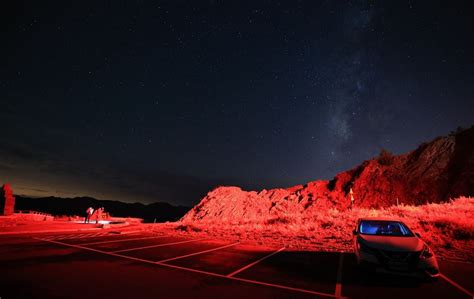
(162, 101)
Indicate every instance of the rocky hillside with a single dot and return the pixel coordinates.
(435, 172)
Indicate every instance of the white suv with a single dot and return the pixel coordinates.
(389, 245)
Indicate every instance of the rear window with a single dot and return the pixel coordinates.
(384, 228)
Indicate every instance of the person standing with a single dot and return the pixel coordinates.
(89, 213)
(98, 215)
(352, 198)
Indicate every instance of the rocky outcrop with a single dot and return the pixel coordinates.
(435, 172)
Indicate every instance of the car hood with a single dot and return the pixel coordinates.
(392, 243)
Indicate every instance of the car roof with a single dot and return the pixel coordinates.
(379, 219)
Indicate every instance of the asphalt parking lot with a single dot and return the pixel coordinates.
(143, 265)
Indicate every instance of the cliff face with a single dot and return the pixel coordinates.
(434, 172)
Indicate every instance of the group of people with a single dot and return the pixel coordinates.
(94, 214)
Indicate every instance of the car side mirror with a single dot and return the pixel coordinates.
(354, 232)
(418, 235)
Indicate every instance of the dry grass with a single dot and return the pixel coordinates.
(447, 227)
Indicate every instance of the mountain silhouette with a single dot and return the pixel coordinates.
(160, 211)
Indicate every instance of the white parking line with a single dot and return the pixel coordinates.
(256, 282)
(77, 236)
(254, 263)
(284, 287)
(157, 245)
(58, 237)
(337, 293)
(70, 236)
(251, 281)
(122, 240)
(456, 285)
(196, 253)
(96, 250)
(52, 237)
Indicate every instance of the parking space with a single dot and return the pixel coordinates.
(316, 271)
(227, 260)
(80, 238)
(125, 244)
(163, 253)
(319, 274)
(218, 258)
(10, 253)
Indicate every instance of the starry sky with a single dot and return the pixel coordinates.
(144, 101)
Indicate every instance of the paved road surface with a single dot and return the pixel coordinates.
(145, 265)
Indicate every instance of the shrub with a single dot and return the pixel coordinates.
(188, 228)
(385, 157)
(327, 224)
(463, 233)
(278, 220)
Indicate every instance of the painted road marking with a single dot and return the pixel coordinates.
(157, 245)
(256, 282)
(51, 237)
(57, 237)
(254, 263)
(98, 251)
(76, 236)
(251, 281)
(457, 285)
(197, 253)
(337, 293)
(70, 236)
(122, 240)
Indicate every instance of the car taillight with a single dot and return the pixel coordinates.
(426, 253)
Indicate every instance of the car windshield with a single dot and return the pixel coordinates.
(384, 228)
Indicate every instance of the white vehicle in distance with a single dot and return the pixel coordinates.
(390, 246)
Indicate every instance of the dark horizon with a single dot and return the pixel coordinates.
(39, 196)
(17, 195)
(161, 102)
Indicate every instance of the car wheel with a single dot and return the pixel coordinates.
(430, 279)
(365, 268)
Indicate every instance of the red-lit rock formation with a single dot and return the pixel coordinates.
(7, 201)
(434, 172)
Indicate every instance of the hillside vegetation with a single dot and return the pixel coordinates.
(448, 227)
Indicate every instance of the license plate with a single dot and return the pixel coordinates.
(397, 266)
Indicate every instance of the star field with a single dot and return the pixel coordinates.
(163, 100)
